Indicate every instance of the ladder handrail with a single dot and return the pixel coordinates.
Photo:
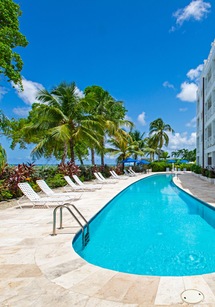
(67, 205)
(87, 224)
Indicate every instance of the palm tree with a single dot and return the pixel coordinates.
(138, 138)
(3, 158)
(150, 148)
(164, 155)
(123, 146)
(62, 120)
(157, 132)
(111, 113)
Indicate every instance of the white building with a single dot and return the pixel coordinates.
(205, 142)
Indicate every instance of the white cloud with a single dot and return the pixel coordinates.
(182, 140)
(193, 74)
(28, 95)
(79, 93)
(197, 10)
(21, 111)
(3, 91)
(182, 109)
(141, 118)
(128, 118)
(167, 84)
(192, 123)
(188, 92)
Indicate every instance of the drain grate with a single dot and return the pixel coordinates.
(192, 296)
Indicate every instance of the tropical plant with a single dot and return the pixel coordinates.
(10, 37)
(111, 114)
(185, 154)
(150, 148)
(139, 140)
(164, 155)
(3, 158)
(68, 169)
(61, 121)
(22, 172)
(158, 135)
(123, 146)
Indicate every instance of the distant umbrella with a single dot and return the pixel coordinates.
(171, 161)
(143, 162)
(129, 160)
(184, 161)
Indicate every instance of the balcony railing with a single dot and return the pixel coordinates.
(210, 112)
(210, 141)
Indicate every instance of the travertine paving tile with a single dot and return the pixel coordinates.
(69, 279)
(210, 280)
(19, 270)
(93, 283)
(142, 290)
(169, 291)
(95, 302)
(116, 288)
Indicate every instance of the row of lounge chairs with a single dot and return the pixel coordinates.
(62, 197)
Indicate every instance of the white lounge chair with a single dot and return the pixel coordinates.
(75, 187)
(86, 186)
(133, 172)
(36, 199)
(128, 174)
(49, 192)
(116, 176)
(105, 179)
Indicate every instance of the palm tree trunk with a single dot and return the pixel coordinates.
(102, 153)
(65, 149)
(72, 153)
(102, 159)
(92, 156)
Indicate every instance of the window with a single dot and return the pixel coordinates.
(209, 75)
(209, 160)
(209, 103)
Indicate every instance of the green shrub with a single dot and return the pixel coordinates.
(159, 166)
(5, 194)
(56, 181)
(46, 171)
(196, 169)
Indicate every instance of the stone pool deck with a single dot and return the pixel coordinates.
(37, 269)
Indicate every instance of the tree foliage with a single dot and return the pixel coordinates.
(110, 111)
(62, 121)
(158, 134)
(185, 154)
(10, 37)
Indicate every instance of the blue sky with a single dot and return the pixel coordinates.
(148, 54)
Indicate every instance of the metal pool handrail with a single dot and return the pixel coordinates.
(85, 236)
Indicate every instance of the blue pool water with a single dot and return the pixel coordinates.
(152, 228)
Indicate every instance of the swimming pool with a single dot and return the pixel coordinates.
(152, 228)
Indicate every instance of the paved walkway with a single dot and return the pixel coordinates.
(37, 269)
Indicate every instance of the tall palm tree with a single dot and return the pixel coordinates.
(3, 158)
(123, 146)
(150, 148)
(63, 120)
(110, 111)
(157, 132)
(138, 138)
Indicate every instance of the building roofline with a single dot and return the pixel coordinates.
(207, 62)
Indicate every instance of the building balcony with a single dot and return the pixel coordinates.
(209, 113)
(210, 141)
